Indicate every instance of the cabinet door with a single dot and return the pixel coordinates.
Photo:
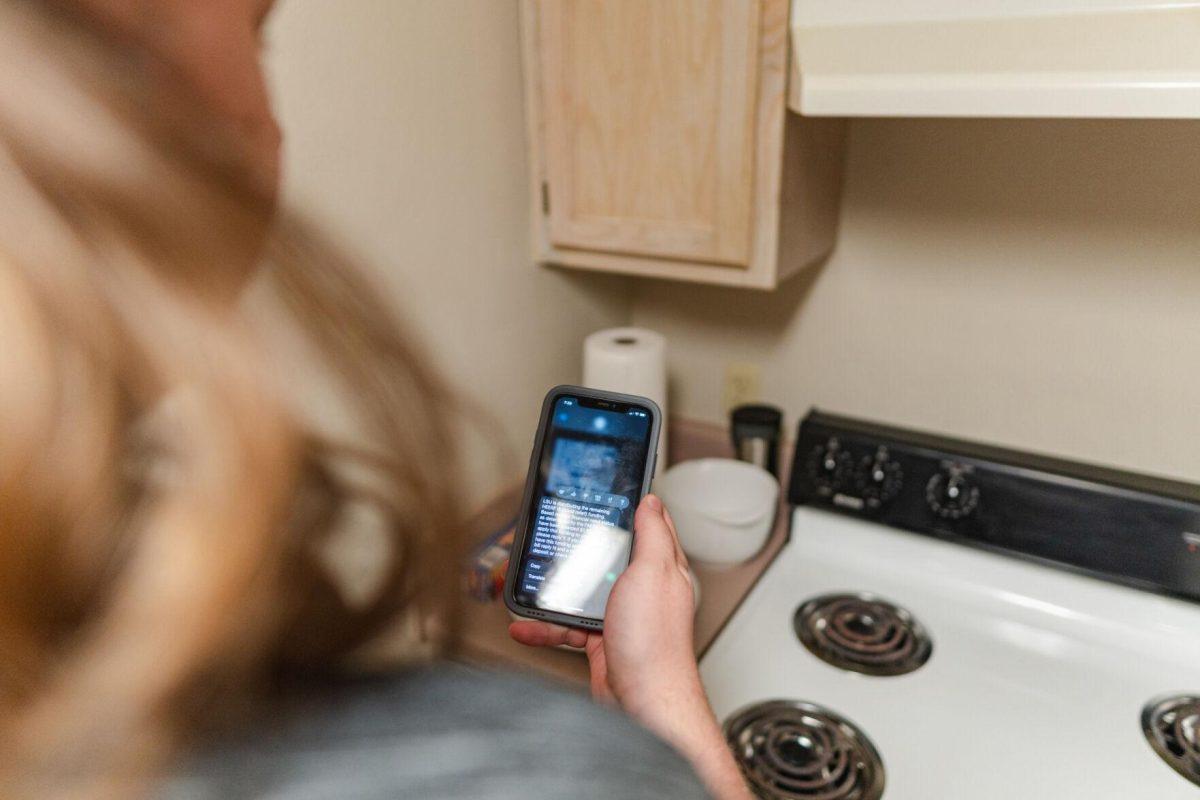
(648, 116)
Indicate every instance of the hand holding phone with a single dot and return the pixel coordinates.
(646, 651)
(592, 462)
(644, 660)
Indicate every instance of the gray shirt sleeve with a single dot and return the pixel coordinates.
(449, 733)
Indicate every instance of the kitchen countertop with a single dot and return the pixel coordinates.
(485, 639)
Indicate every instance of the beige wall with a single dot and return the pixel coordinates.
(405, 131)
(1030, 283)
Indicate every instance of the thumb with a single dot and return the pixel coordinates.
(652, 539)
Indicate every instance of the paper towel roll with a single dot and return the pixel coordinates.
(629, 360)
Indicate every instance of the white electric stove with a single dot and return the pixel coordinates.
(950, 621)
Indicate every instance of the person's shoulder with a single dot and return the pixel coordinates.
(446, 732)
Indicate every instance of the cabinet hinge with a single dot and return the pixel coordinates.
(545, 198)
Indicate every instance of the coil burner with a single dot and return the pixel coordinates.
(862, 633)
(791, 750)
(1172, 727)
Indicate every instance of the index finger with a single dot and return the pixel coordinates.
(543, 634)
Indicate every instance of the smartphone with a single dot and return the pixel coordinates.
(592, 462)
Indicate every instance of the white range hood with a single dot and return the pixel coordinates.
(996, 58)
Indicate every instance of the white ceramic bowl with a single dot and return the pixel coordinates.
(723, 509)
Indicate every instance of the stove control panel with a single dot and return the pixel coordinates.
(1131, 529)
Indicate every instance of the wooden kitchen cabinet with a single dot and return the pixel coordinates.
(661, 144)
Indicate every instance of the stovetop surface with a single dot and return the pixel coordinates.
(1034, 688)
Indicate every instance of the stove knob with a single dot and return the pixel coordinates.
(952, 494)
(879, 478)
(830, 467)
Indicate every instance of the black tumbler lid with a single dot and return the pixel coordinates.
(757, 415)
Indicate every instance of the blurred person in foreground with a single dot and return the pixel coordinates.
(168, 627)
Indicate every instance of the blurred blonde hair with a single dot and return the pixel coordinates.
(161, 501)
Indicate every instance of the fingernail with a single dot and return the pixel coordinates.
(654, 503)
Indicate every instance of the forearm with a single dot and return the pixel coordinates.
(685, 720)
(705, 748)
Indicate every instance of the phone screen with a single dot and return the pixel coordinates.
(590, 476)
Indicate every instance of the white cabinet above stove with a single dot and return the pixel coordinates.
(996, 58)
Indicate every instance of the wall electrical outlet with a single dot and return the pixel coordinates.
(741, 384)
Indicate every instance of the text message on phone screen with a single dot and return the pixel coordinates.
(591, 470)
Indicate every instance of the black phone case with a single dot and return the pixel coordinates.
(531, 486)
